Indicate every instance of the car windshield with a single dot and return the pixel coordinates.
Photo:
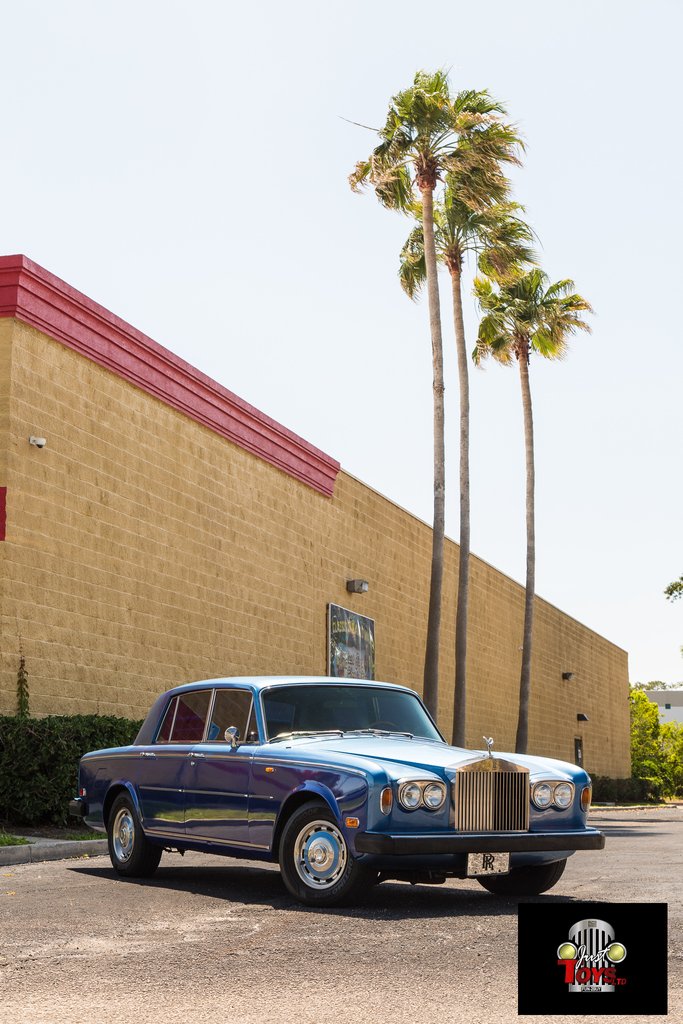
(309, 709)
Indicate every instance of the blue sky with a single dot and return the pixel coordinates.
(186, 166)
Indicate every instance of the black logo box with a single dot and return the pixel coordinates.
(541, 985)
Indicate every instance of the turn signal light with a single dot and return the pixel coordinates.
(352, 822)
(386, 800)
(586, 794)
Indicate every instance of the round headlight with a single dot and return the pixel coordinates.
(434, 796)
(563, 795)
(410, 795)
(542, 794)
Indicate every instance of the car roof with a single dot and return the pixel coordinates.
(263, 682)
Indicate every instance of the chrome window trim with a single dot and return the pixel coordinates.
(209, 716)
(165, 743)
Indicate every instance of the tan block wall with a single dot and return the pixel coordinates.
(6, 330)
(144, 550)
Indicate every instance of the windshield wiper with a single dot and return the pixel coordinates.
(305, 732)
(377, 732)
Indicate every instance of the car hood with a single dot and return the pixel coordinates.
(398, 755)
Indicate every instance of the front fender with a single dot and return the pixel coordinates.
(350, 799)
(315, 789)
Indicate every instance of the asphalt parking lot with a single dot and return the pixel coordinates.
(211, 939)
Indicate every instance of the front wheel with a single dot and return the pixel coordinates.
(525, 881)
(131, 853)
(315, 861)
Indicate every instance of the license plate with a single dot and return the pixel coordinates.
(487, 864)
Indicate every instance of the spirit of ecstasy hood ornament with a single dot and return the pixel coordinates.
(489, 744)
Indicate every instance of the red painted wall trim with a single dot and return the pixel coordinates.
(3, 512)
(38, 298)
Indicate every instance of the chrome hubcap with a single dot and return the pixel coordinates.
(123, 834)
(320, 854)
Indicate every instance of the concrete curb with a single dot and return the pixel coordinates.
(35, 853)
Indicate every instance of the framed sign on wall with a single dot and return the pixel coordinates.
(350, 644)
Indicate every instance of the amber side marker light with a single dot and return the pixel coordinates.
(352, 822)
(586, 794)
(386, 800)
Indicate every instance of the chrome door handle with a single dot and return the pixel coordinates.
(195, 756)
(147, 753)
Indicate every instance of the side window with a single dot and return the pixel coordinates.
(164, 733)
(190, 716)
(232, 707)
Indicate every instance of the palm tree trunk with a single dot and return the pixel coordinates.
(460, 703)
(522, 739)
(431, 670)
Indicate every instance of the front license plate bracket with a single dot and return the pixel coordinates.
(487, 864)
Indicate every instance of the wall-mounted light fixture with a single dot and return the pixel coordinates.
(357, 586)
(581, 717)
(39, 442)
(567, 676)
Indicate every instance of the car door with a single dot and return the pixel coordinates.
(163, 766)
(217, 788)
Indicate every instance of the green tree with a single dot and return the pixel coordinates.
(656, 747)
(672, 753)
(427, 134)
(655, 684)
(521, 316)
(645, 737)
(501, 240)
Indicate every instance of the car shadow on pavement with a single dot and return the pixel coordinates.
(259, 886)
(622, 829)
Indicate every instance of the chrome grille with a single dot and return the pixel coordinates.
(491, 799)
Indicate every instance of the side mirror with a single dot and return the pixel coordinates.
(232, 735)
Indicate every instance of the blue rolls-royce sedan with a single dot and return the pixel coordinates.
(344, 782)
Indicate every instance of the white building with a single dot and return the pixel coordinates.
(670, 704)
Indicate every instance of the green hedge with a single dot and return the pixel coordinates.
(626, 791)
(39, 762)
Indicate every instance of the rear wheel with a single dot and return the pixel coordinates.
(525, 881)
(131, 853)
(315, 861)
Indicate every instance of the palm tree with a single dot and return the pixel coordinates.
(426, 134)
(502, 241)
(525, 315)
